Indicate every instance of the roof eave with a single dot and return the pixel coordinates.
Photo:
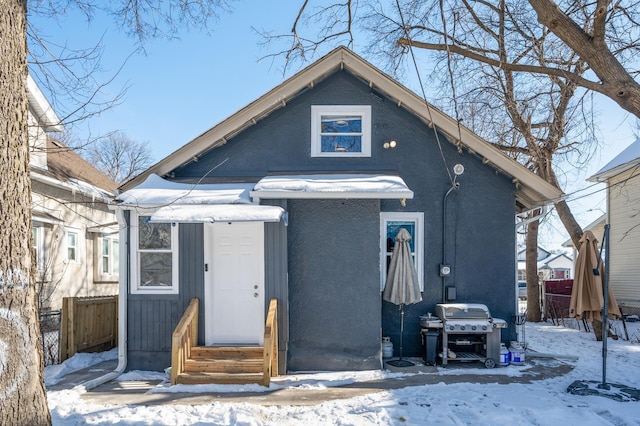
(540, 193)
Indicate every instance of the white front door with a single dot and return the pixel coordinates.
(234, 283)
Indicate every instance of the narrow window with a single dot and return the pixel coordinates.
(72, 246)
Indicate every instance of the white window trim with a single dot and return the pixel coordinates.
(317, 111)
(79, 248)
(40, 247)
(99, 275)
(418, 218)
(137, 289)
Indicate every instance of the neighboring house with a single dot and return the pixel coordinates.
(298, 197)
(551, 266)
(622, 177)
(597, 227)
(75, 235)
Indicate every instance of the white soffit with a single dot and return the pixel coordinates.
(211, 213)
(332, 186)
(155, 191)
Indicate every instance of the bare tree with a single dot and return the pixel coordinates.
(119, 157)
(510, 79)
(22, 394)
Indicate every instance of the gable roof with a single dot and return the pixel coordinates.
(531, 190)
(65, 165)
(622, 162)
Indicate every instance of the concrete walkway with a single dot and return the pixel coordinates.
(136, 392)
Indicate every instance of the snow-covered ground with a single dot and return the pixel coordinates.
(545, 402)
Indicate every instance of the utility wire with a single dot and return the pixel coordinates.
(424, 95)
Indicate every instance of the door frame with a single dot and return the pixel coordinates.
(208, 237)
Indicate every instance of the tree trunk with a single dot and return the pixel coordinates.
(22, 395)
(531, 256)
(569, 222)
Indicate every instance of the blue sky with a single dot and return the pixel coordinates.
(183, 87)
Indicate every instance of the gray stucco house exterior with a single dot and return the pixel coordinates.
(297, 197)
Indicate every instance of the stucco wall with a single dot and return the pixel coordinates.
(480, 224)
(334, 298)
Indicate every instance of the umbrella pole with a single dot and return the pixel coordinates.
(605, 309)
(401, 362)
(401, 327)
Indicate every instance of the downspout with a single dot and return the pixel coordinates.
(122, 309)
(444, 264)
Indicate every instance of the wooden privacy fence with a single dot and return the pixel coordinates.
(89, 324)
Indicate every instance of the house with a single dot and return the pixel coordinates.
(622, 178)
(551, 266)
(297, 197)
(75, 235)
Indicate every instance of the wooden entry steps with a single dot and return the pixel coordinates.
(193, 364)
(223, 365)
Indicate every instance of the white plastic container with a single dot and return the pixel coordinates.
(517, 353)
(505, 356)
(387, 347)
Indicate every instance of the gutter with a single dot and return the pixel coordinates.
(122, 312)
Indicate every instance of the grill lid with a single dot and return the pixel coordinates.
(468, 311)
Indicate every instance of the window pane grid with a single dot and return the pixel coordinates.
(155, 255)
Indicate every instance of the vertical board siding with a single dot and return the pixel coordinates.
(276, 286)
(624, 217)
(153, 317)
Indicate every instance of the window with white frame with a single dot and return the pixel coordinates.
(106, 260)
(341, 131)
(37, 240)
(155, 257)
(390, 225)
(72, 246)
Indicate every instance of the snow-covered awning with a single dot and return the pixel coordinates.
(218, 213)
(105, 228)
(45, 217)
(333, 186)
(155, 192)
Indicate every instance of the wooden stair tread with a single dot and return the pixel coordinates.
(225, 352)
(253, 365)
(194, 378)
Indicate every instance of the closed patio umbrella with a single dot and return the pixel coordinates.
(402, 286)
(587, 295)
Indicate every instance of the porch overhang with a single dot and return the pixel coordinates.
(157, 192)
(211, 213)
(332, 186)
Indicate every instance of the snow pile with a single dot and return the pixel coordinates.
(544, 402)
(54, 373)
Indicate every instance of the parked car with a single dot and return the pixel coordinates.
(522, 290)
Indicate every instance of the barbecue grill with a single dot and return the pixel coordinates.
(467, 332)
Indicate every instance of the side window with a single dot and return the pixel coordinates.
(37, 240)
(390, 225)
(155, 262)
(341, 131)
(107, 262)
(72, 246)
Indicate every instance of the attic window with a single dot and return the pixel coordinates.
(341, 131)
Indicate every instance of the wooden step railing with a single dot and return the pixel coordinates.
(193, 364)
(270, 368)
(185, 336)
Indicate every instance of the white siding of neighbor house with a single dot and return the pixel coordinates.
(624, 218)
